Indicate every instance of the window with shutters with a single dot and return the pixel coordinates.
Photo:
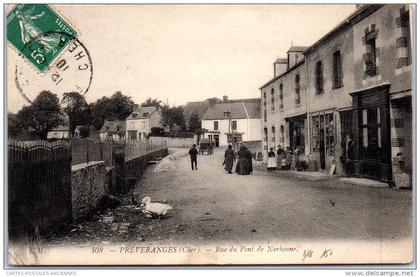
(272, 100)
(281, 97)
(337, 70)
(319, 78)
(370, 57)
(234, 125)
(297, 90)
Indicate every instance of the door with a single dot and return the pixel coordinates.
(216, 140)
(370, 141)
(372, 149)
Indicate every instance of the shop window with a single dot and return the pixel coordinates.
(319, 78)
(337, 70)
(281, 97)
(323, 133)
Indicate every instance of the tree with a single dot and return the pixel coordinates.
(117, 107)
(194, 123)
(151, 102)
(42, 115)
(84, 131)
(14, 128)
(173, 115)
(77, 110)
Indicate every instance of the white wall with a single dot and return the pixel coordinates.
(143, 125)
(58, 134)
(251, 129)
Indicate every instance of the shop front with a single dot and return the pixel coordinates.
(296, 126)
(323, 138)
(371, 131)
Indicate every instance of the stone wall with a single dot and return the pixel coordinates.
(134, 168)
(89, 183)
(175, 142)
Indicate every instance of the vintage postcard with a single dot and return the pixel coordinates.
(198, 134)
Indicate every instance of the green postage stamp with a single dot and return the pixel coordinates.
(38, 33)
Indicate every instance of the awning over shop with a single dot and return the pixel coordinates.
(296, 116)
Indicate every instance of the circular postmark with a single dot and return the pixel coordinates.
(71, 71)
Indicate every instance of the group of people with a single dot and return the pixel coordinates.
(244, 163)
(286, 158)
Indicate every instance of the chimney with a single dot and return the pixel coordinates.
(225, 98)
(280, 66)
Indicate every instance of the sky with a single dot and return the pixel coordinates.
(182, 53)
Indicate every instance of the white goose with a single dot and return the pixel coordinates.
(154, 209)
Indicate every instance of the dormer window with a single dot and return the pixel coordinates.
(135, 115)
(146, 114)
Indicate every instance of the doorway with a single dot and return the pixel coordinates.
(216, 140)
(372, 137)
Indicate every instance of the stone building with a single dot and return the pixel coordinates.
(382, 99)
(358, 97)
(283, 104)
(141, 121)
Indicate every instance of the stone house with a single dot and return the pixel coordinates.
(60, 132)
(382, 99)
(141, 121)
(358, 96)
(113, 130)
(283, 102)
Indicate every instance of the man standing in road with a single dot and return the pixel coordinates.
(193, 155)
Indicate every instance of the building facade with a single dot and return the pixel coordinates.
(358, 97)
(232, 121)
(113, 130)
(141, 121)
(61, 132)
(283, 105)
(382, 99)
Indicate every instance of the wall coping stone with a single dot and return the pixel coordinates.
(85, 165)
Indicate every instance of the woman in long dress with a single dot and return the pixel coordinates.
(242, 166)
(271, 165)
(229, 159)
(280, 157)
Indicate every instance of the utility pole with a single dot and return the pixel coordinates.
(228, 114)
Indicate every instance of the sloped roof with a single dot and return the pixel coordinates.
(199, 107)
(114, 126)
(60, 128)
(253, 109)
(142, 112)
(239, 109)
(297, 49)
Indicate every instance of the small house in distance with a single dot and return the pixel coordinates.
(141, 121)
(113, 130)
(239, 119)
(60, 132)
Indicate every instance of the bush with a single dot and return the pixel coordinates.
(157, 131)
